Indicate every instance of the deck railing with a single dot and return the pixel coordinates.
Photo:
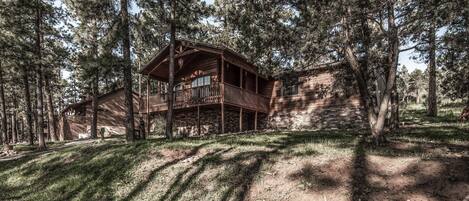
(211, 94)
(188, 97)
(198, 95)
(245, 98)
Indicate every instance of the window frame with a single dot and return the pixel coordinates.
(201, 81)
(290, 85)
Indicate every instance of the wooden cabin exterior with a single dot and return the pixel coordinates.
(75, 120)
(216, 90)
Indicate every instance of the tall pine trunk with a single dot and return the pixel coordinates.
(39, 79)
(29, 112)
(20, 129)
(4, 109)
(127, 71)
(34, 104)
(14, 128)
(432, 102)
(94, 106)
(172, 44)
(40, 110)
(51, 110)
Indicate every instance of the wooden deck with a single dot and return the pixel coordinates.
(209, 95)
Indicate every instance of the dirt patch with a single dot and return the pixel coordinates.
(417, 179)
(174, 153)
(313, 178)
(187, 154)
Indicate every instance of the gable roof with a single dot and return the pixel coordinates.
(163, 54)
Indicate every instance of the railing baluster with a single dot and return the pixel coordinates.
(190, 96)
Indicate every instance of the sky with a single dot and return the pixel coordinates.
(406, 60)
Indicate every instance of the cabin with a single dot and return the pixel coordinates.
(216, 90)
(75, 119)
(219, 91)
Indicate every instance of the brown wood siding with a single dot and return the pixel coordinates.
(266, 87)
(111, 113)
(321, 94)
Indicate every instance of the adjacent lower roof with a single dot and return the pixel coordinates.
(89, 100)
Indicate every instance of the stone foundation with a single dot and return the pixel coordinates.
(329, 118)
(185, 121)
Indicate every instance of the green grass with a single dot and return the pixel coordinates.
(101, 170)
(211, 168)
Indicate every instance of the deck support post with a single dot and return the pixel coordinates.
(198, 120)
(255, 121)
(240, 119)
(257, 84)
(240, 78)
(222, 93)
(148, 105)
(222, 118)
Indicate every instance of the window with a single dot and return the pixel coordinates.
(198, 87)
(201, 81)
(153, 87)
(290, 86)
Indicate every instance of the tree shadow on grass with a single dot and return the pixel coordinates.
(359, 183)
(92, 171)
(85, 172)
(180, 185)
(142, 185)
(246, 166)
(241, 167)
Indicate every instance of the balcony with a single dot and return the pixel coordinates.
(188, 97)
(209, 95)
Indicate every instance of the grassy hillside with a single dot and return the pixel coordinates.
(427, 159)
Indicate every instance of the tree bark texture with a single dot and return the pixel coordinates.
(39, 79)
(29, 111)
(94, 106)
(52, 124)
(432, 102)
(169, 114)
(127, 71)
(4, 109)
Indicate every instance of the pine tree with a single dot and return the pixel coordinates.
(455, 52)
(127, 72)
(172, 46)
(3, 107)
